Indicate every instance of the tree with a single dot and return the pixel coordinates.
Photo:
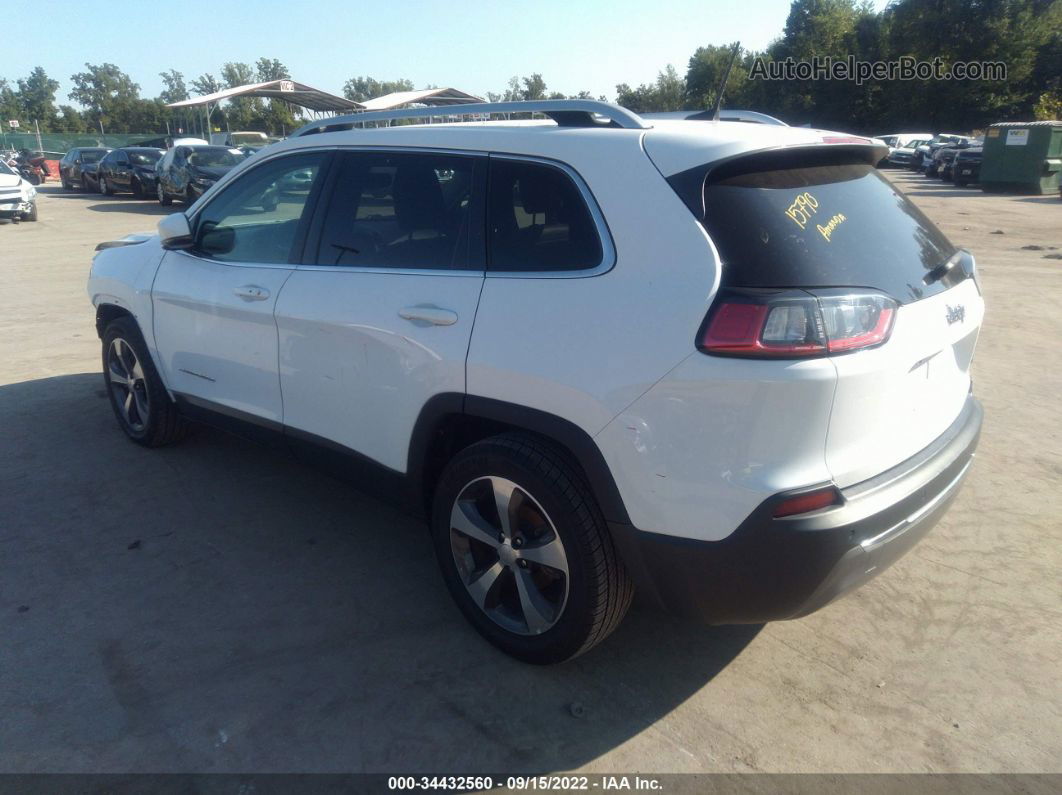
(667, 92)
(359, 89)
(277, 116)
(9, 107)
(705, 72)
(240, 112)
(36, 97)
(206, 84)
(70, 120)
(534, 88)
(105, 89)
(176, 90)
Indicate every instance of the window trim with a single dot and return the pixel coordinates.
(604, 234)
(480, 163)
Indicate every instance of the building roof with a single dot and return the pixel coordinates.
(288, 90)
(427, 96)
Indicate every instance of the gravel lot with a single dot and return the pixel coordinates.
(217, 607)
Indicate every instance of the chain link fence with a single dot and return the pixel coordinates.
(57, 144)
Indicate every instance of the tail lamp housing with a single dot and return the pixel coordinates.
(790, 324)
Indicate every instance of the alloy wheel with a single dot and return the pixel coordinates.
(509, 555)
(128, 387)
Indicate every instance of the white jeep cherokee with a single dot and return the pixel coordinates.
(725, 363)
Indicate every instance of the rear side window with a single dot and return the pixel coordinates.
(538, 220)
(399, 210)
(92, 155)
(826, 224)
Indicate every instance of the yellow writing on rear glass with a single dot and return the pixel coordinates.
(802, 208)
(832, 224)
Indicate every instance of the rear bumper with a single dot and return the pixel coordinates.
(772, 569)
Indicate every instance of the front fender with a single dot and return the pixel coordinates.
(122, 274)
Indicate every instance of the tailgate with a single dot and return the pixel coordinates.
(893, 401)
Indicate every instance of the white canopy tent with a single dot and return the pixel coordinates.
(316, 101)
(428, 96)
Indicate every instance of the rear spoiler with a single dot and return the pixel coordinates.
(689, 184)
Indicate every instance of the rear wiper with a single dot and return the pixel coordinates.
(943, 269)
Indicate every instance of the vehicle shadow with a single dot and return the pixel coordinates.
(216, 605)
(117, 203)
(131, 205)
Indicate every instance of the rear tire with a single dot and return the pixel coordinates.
(536, 611)
(164, 198)
(140, 402)
(103, 187)
(136, 188)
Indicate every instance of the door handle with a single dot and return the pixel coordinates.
(428, 315)
(252, 292)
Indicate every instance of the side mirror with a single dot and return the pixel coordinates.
(217, 239)
(174, 232)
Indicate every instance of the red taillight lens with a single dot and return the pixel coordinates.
(797, 323)
(806, 503)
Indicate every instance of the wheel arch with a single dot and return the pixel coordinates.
(450, 422)
(107, 313)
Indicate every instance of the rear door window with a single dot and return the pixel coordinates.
(405, 210)
(788, 222)
(538, 220)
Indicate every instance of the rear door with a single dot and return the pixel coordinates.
(830, 224)
(377, 319)
(213, 305)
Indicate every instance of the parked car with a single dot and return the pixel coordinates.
(741, 442)
(946, 160)
(74, 163)
(902, 156)
(900, 140)
(186, 172)
(930, 150)
(936, 160)
(967, 166)
(18, 198)
(131, 168)
(239, 140)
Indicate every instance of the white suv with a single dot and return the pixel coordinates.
(725, 363)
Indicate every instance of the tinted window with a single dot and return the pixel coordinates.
(257, 217)
(92, 155)
(216, 157)
(402, 210)
(538, 220)
(144, 157)
(826, 225)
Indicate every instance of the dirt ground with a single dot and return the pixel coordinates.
(217, 607)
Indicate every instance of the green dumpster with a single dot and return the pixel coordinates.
(1022, 157)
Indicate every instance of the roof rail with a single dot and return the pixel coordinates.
(724, 115)
(566, 112)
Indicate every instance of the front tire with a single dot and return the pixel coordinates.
(525, 551)
(137, 396)
(104, 188)
(32, 214)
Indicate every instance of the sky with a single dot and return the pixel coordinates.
(575, 44)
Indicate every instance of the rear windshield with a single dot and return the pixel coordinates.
(821, 225)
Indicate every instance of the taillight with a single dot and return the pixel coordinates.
(796, 323)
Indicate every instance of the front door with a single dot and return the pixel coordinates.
(213, 304)
(378, 318)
